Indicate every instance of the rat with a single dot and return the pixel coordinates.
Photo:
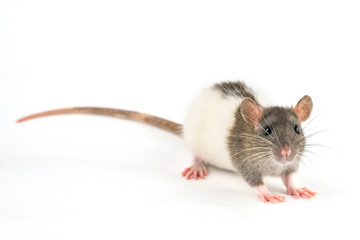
(228, 128)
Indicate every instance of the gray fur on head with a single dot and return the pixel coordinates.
(260, 134)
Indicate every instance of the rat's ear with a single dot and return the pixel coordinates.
(303, 108)
(250, 112)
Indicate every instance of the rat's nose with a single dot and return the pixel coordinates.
(285, 152)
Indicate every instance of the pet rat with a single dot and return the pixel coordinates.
(227, 127)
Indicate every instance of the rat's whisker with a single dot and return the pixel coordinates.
(255, 137)
(311, 120)
(262, 165)
(319, 145)
(254, 155)
(311, 129)
(303, 162)
(304, 157)
(250, 159)
(250, 149)
(315, 133)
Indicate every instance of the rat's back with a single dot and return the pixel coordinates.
(210, 119)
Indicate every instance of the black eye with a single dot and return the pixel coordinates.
(297, 129)
(267, 131)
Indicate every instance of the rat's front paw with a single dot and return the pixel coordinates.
(300, 192)
(266, 196)
(272, 198)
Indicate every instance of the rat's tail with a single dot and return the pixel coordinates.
(139, 117)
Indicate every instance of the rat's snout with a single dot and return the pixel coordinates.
(285, 151)
(285, 154)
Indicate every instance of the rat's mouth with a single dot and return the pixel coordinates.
(286, 160)
(283, 162)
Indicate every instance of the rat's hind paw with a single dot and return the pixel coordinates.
(301, 192)
(197, 170)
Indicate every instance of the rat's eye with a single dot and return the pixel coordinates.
(267, 131)
(297, 129)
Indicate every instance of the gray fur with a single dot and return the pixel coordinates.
(236, 89)
(252, 153)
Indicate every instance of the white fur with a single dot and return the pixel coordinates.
(207, 126)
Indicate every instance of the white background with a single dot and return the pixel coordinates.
(90, 177)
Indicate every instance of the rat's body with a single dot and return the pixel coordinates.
(226, 127)
(207, 127)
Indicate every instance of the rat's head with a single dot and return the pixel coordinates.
(279, 128)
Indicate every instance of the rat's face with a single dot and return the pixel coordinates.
(281, 132)
(278, 129)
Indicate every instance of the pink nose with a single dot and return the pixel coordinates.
(285, 152)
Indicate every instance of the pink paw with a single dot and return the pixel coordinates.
(195, 172)
(272, 198)
(301, 192)
(198, 169)
(266, 196)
